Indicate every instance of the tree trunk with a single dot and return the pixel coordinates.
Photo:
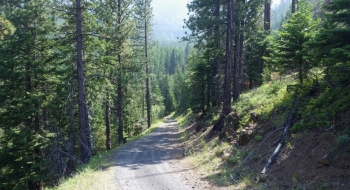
(70, 165)
(119, 87)
(293, 6)
(301, 75)
(28, 121)
(143, 102)
(228, 66)
(218, 57)
(120, 111)
(237, 58)
(241, 48)
(39, 184)
(208, 86)
(85, 143)
(148, 99)
(108, 126)
(267, 14)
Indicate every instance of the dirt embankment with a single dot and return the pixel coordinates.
(307, 160)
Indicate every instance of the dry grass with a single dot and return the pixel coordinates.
(97, 174)
(97, 180)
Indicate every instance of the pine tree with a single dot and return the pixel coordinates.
(198, 71)
(228, 65)
(331, 46)
(255, 45)
(29, 82)
(267, 14)
(85, 135)
(208, 29)
(144, 14)
(173, 63)
(288, 50)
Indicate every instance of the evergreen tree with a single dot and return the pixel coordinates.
(173, 63)
(287, 49)
(85, 134)
(30, 80)
(167, 63)
(255, 45)
(331, 46)
(208, 27)
(144, 17)
(198, 71)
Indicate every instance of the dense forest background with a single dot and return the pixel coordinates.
(80, 77)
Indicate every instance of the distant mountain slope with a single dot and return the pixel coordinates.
(168, 19)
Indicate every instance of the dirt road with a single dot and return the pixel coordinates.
(152, 162)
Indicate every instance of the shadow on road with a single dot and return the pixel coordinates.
(157, 147)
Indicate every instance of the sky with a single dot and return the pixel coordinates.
(169, 16)
(176, 8)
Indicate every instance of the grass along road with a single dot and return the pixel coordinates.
(151, 162)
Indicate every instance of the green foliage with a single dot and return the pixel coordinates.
(255, 46)
(32, 89)
(198, 75)
(320, 111)
(233, 159)
(287, 48)
(167, 89)
(343, 140)
(263, 100)
(6, 28)
(39, 119)
(258, 137)
(331, 46)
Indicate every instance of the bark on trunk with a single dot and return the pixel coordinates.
(120, 112)
(238, 55)
(85, 143)
(143, 102)
(293, 6)
(38, 184)
(70, 165)
(119, 88)
(267, 14)
(108, 126)
(148, 99)
(228, 66)
(241, 48)
(28, 88)
(301, 76)
(208, 91)
(218, 57)
(236, 64)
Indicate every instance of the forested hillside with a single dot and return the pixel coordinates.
(278, 76)
(77, 78)
(80, 77)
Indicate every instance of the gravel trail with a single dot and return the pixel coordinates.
(152, 162)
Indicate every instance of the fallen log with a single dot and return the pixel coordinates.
(287, 125)
(246, 159)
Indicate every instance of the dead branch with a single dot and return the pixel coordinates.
(287, 125)
(235, 181)
(269, 136)
(258, 149)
